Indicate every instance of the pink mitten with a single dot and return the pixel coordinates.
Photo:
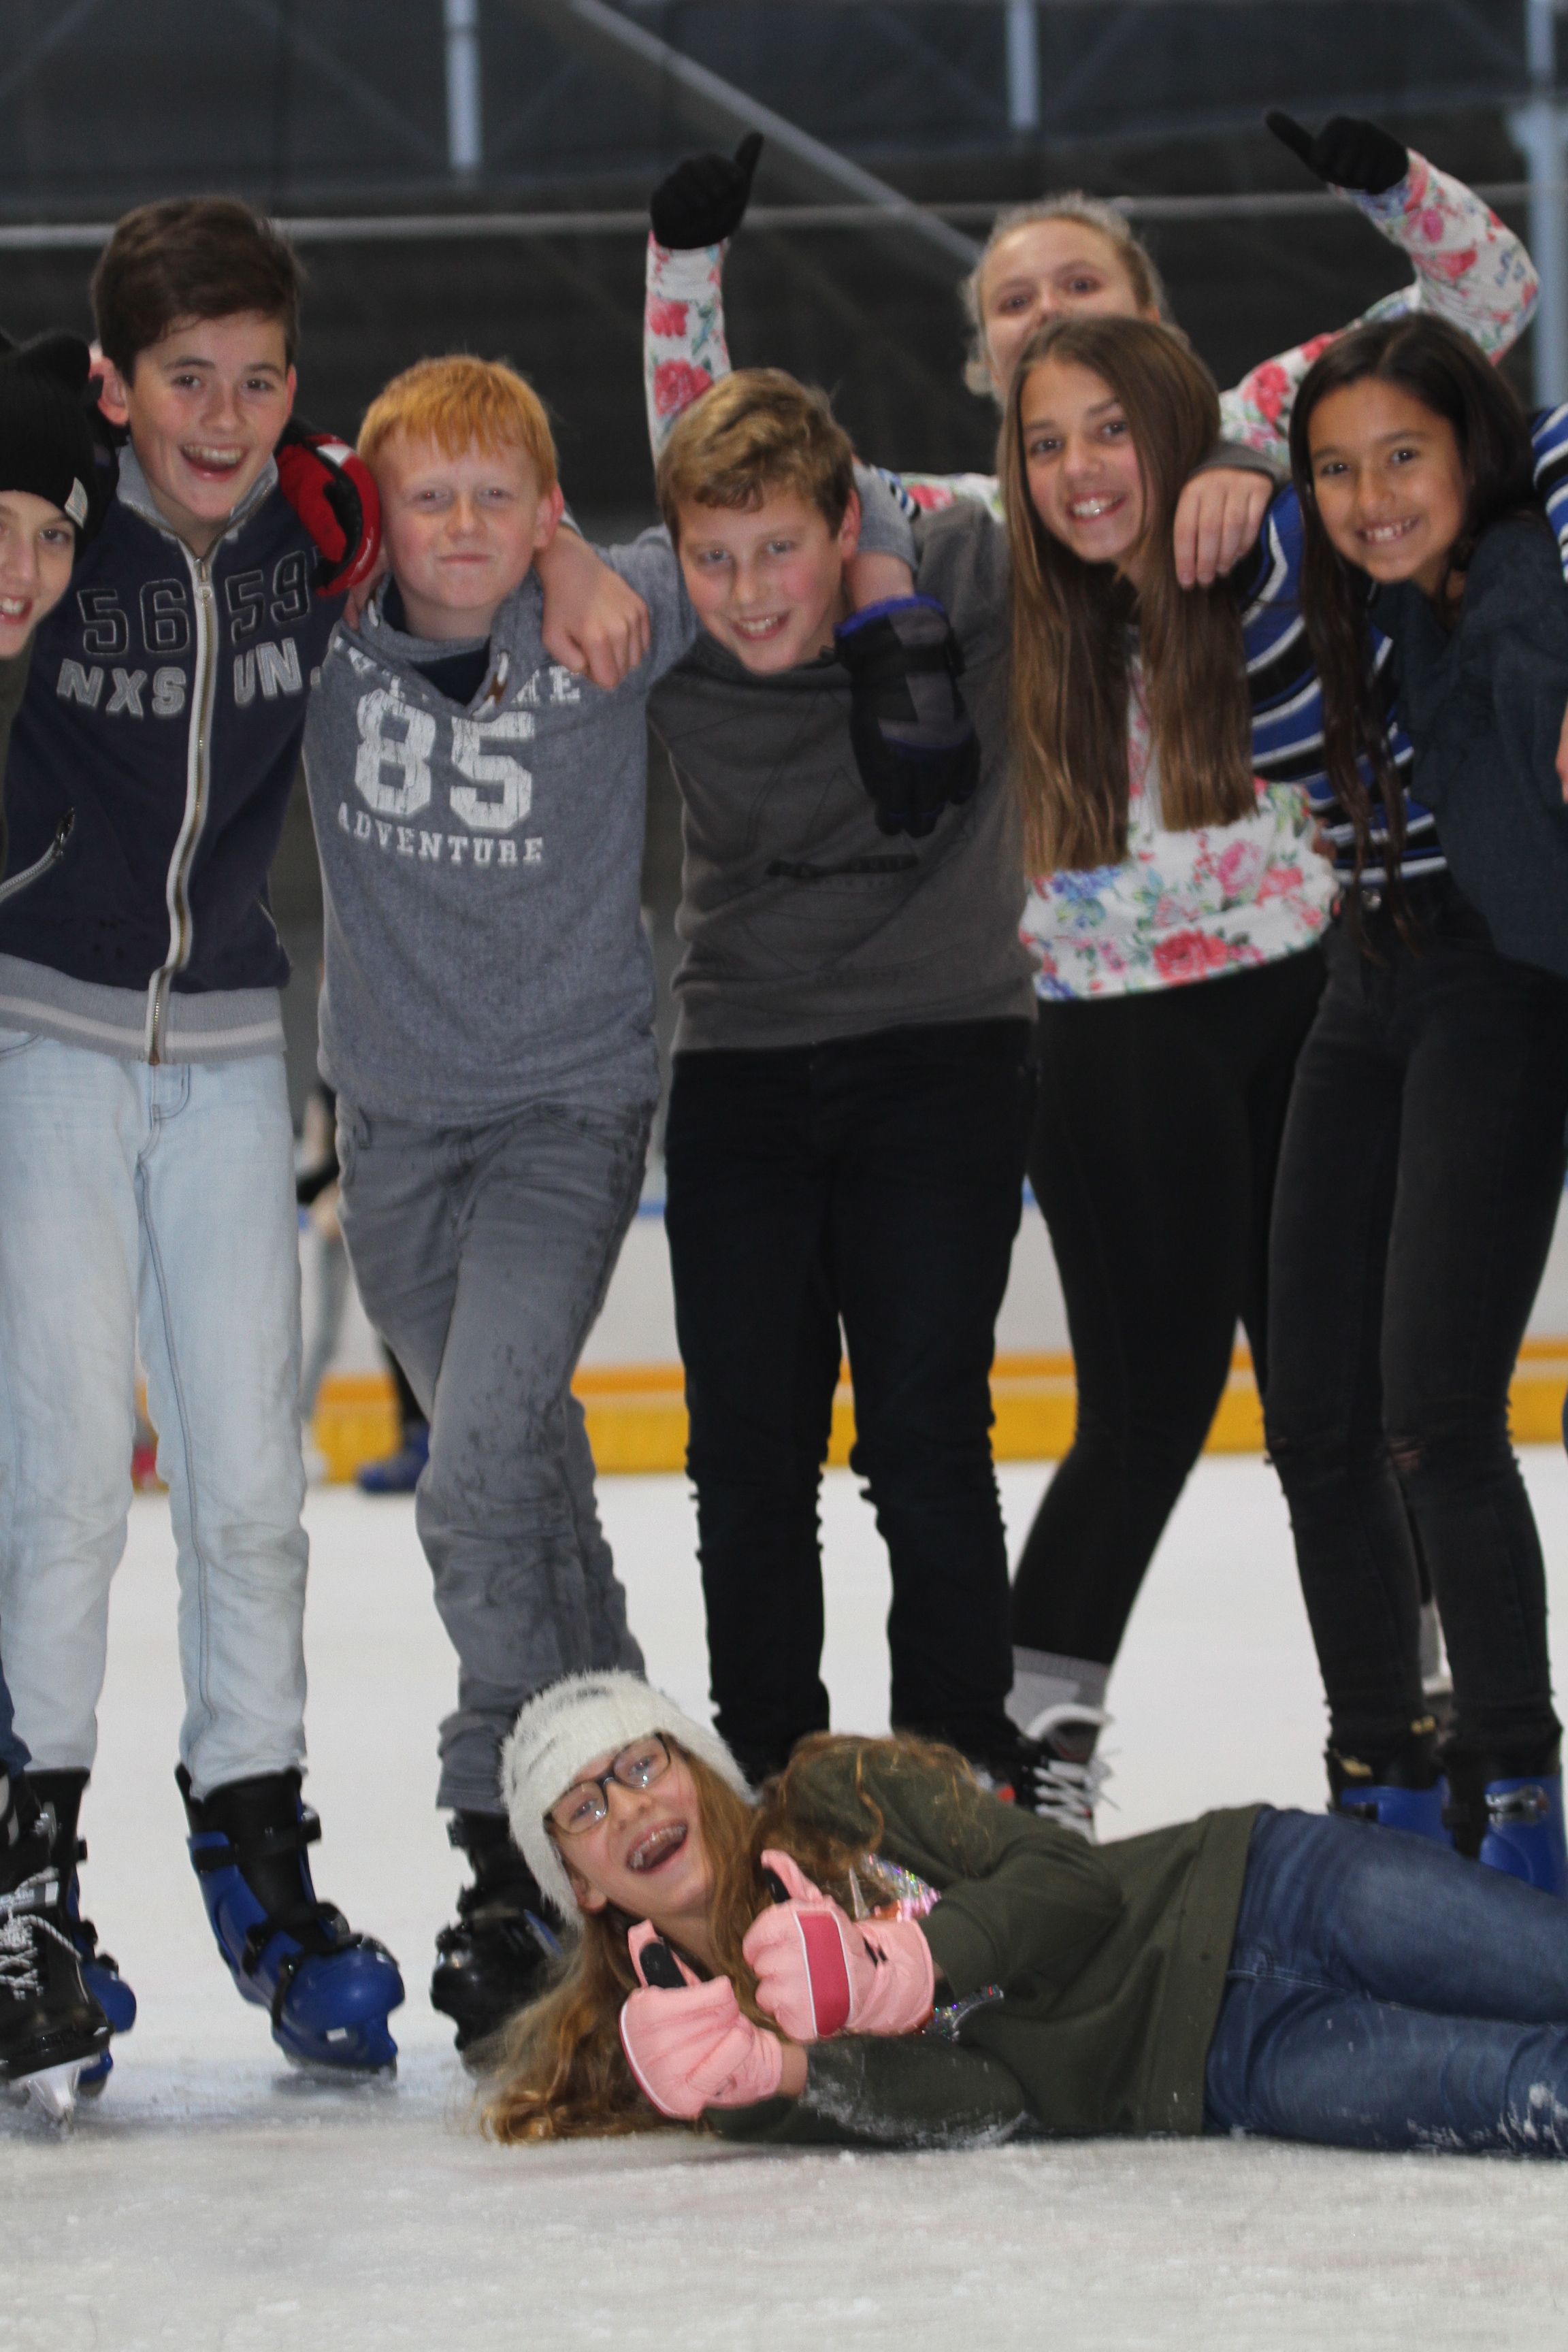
(819, 1972)
(693, 2049)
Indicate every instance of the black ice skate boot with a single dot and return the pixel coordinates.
(48, 2020)
(61, 1795)
(498, 1955)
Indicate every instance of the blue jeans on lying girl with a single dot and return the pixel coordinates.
(1383, 1992)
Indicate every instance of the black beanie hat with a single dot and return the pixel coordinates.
(46, 439)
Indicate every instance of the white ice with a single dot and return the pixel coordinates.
(213, 2199)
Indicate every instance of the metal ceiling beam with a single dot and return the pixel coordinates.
(808, 166)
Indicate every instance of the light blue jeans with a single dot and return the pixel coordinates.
(155, 1204)
(13, 1756)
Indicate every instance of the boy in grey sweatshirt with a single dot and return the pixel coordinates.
(487, 1021)
(851, 1097)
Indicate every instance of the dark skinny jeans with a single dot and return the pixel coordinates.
(1418, 1186)
(1156, 1136)
(874, 1182)
(1383, 1992)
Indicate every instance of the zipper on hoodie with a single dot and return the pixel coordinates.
(198, 780)
(41, 865)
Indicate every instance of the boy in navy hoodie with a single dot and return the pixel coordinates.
(145, 1143)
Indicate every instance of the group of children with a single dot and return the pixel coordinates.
(1174, 819)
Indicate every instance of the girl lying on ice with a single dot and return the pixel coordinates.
(881, 1954)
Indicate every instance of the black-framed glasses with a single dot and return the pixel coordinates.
(587, 1803)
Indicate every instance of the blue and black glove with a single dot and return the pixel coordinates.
(915, 741)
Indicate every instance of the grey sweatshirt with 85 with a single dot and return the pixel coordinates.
(481, 864)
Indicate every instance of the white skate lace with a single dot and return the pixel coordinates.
(22, 1926)
(1062, 1791)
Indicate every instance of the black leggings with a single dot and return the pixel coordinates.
(1419, 1183)
(1156, 1138)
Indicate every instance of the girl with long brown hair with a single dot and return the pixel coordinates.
(880, 1953)
(1423, 1162)
(1175, 909)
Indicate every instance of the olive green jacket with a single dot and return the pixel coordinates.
(1111, 1961)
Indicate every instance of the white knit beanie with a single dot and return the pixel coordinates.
(568, 1725)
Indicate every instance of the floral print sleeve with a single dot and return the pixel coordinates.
(1469, 269)
(684, 351)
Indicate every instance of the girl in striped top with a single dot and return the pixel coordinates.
(1423, 1162)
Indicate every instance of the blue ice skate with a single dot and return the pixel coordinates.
(1524, 1833)
(1402, 1789)
(61, 1792)
(329, 1990)
(399, 1473)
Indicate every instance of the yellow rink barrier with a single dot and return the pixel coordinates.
(637, 1413)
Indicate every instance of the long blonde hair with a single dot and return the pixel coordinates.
(1072, 621)
(562, 2072)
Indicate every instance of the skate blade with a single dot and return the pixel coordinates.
(51, 2093)
(311, 2068)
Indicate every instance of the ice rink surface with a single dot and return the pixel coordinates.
(214, 2199)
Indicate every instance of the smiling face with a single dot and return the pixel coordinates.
(460, 533)
(1048, 269)
(1085, 481)
(205, 406)
(37, 548)
(768, 580)
(1389, 478)
(647, 1856)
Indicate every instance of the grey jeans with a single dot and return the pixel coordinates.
(482, 1255)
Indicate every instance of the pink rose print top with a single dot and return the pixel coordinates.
(1181, 906)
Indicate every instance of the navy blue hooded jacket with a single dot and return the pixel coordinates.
(165, 707)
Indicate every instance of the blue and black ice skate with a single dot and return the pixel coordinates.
(329, 1990)
(61, 1793)
(1400, 1787)
(1509, 1817)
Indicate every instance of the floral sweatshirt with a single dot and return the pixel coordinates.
(1192, 906)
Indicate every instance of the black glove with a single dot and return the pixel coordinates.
(704, 200)
(914, 742)
(1347, 152)
(332, 492)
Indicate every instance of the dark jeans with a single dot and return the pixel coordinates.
(1419, 1183)
(1156, 1135)
(874, 1182)
(1385, 1993)
(13, 1755)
